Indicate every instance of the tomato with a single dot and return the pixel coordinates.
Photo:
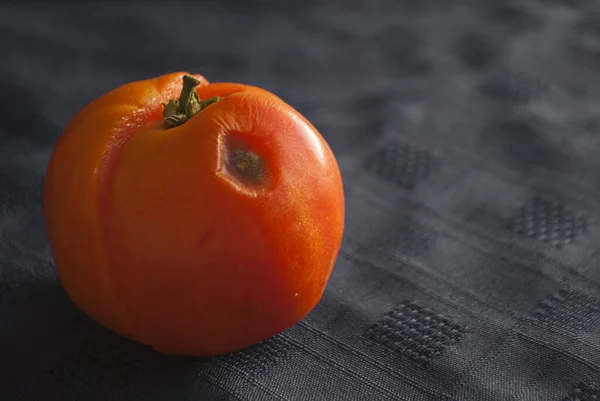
(198, 218)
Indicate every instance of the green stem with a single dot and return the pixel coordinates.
(177, 112)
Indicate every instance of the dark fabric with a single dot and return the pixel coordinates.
(468, 135)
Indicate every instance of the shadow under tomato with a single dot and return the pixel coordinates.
(49, 346)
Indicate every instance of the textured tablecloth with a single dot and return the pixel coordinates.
(468, 135)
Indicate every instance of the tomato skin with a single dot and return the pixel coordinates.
(158, 236)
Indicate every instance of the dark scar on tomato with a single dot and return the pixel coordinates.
(247, 164)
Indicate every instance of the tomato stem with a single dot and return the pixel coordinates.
(177, 112)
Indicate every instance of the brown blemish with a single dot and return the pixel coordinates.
(242, 165)
(246, 165)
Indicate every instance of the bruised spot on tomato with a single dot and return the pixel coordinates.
(242, 166)
(246, 164)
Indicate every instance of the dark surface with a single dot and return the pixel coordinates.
(469, 140)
